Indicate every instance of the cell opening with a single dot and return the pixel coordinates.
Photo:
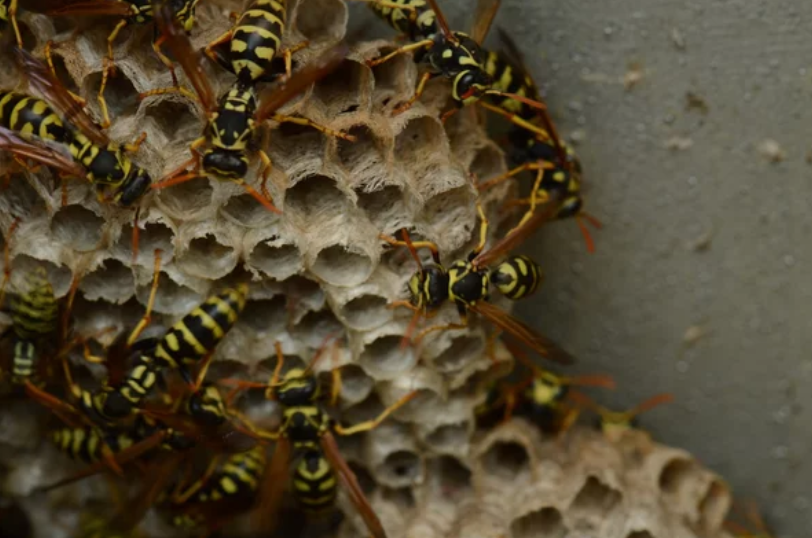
(314, 194)
(339, 266)
(363, 154)
(448, 437)
(59, 275)
(278, 261)
(154, 235)
(382, 204)
(546, 522)
(119, 93)
(506, 459)
(16, 522)
(112, 281)
(366, 312)
(265, 315)
(342, 90)
(453, 205)
(243, 209)
(188, 198)
(674, 475)
(77, 227)
(391, 78)
(314, 327)
(422, 137)
(321, 20)
(171, 297)
(207, 258)
(384, 359)
(455, 478)
(640, 534)
(401, 468)
(595, 496)
(714, 505)
(62, 73)
(487, 163)
(172, 118)
(356, 385)
(463, 350)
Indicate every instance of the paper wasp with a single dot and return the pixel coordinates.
(128, 12)
(557, 167)
(234, 121)
(31, 129)
(452, 55)
(308, 432)
(543, 397)
(614, 424)
(467, 282)
(253, 43)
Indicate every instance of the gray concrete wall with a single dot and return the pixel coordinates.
(713, 237)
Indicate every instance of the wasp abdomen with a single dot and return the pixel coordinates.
(517, 277)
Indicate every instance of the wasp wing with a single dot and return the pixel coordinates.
(273, 100)
(517, 235)
(66, 8)
(122, 457)
(483, 19)
(40, 152)
(157, 478)
(531, 338)
(441, 20)
(351, 485)
(189, 59)
(43, 81)
(265, 514)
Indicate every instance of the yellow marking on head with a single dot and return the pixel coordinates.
(448, 53)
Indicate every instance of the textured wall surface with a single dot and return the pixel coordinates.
(704, 235)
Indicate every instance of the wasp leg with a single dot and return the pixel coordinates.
(147, 317)
(401, 50)
(516, 119)
(483, 232)
(172, 89)
(218, 58)
(180, 498)
(50, 60)
(156, 46)
(421, 86)
(133, 146)
(288, 54)
(393, 5)
(372, 424)
(431, 246)
(12, 15)
(265, 172)
(108, 69)
(463, 324)
(279, 118)
(538, 165)
(267, 203)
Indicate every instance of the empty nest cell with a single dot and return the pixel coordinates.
(111, 281)
(265, 315)
(171, 297)
(341, 265)
(596, 498)
(153, 236)
(507, 460)
(78, 227)
(120, 93)
(244, 210)
(276, 258)
(313, 196)
(356, 385)
(188, 199)
(345, 90)
(384, 358)
(366, 312)
(383, 206)
(464, 349)
(206, 257)
(321, 20)
(546, 522)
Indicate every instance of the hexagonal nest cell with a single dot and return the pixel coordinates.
(316, 286)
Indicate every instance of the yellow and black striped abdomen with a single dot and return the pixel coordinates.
(197, 333)
(239, 475)
(314, 482)
(86, 444)
(34, 311)
(30, 116)
(25, 356)
(517, 277)
(256, 39)
(510, 79)
(418, 23)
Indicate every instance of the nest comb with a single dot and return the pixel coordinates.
(316, 269)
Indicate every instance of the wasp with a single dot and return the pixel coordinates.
(615, 424)
(25, 121)
(129, 12)
(253, 43)
(466, 283)
(543, 397)
(456, 56)
(557, 168)
(233, 121)
(308, 432)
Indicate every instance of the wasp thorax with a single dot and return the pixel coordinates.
(468, 284)
(298, 388)
(227, 164)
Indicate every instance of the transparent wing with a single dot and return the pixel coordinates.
(39, 152)
(484, 15)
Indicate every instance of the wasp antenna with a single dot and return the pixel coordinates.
(590, 244)
(407, 335)
(604, 381)
(592, 220)
(651, 403)
(322, 348)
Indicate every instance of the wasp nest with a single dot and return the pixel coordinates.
(319, 269)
